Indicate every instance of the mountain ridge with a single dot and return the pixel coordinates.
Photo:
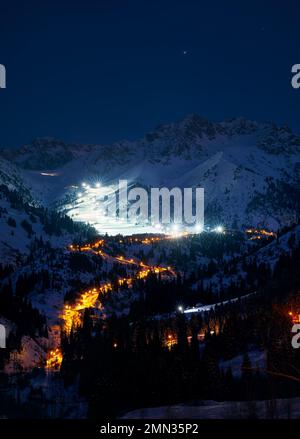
(242, 165)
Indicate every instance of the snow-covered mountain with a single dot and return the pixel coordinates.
(54, 274)
(249, 170)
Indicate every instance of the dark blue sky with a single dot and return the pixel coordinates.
(98, 71)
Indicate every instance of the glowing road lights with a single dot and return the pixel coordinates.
(180, 308)
(259, 233)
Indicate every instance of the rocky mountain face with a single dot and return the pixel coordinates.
(45, 153)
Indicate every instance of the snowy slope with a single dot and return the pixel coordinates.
(266, 409)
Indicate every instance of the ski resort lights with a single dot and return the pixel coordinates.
(126, 209)
(219, 229)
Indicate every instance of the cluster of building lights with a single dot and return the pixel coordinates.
(260, 233)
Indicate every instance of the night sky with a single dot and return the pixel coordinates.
(99, 71)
